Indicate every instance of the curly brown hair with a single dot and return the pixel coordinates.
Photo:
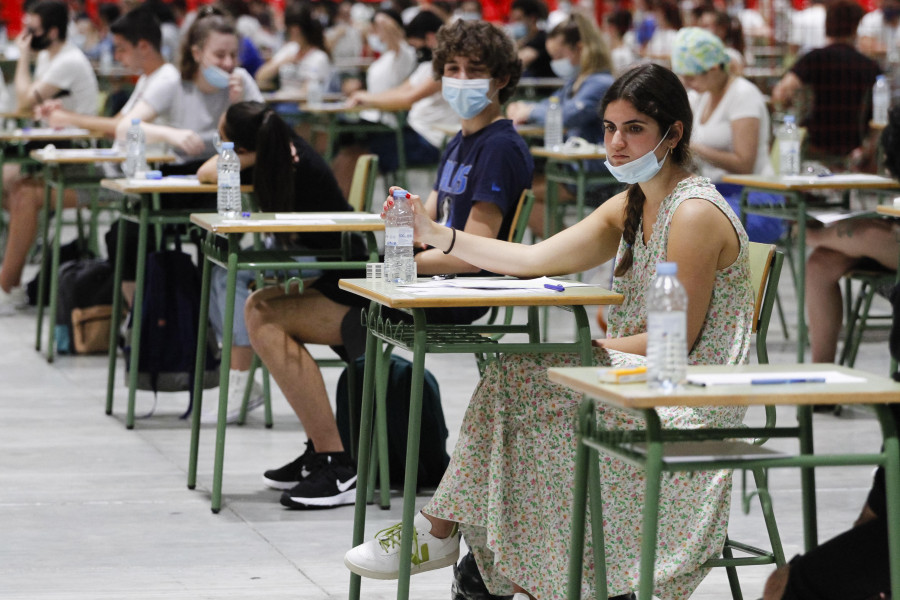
(480, 41)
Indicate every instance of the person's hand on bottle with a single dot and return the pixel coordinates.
(422, 224)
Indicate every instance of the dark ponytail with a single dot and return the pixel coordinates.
(634, 206)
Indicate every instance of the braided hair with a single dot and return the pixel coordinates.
(658, 93)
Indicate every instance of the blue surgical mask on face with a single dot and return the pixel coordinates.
(216, 77)
(518, 30)
(563, 68)
(467, 97)
(640, 169)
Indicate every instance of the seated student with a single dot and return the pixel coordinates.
(580, 56)
(525, 17)
(731, 123)
(396, 62)
(483, 172)
(288, 175)
(185, 114)
(421, 92)
(61, 71)
(842, 247)
(509, 482)
(304, 59)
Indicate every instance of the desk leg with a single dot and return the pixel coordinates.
(382, 378)
(808, 480)
(116, 317)
(801, 277)
(892, 490)
(54, 273)
(199, 366)
(373, 348)
(43, 275)
(651, 505)
(412, 451)
(224, 368)
(137, 310)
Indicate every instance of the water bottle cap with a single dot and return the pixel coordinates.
(789, 118)
(154, 175)
(400, 194)
(667, 268)
(135, 121)
(227, 145)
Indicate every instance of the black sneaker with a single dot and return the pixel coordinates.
(292, 473)
(331, 483)
(467, 582)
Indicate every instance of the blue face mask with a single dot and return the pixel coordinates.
(640, 169)
(563, 68)
(518, 30)
(216, 77)
(467, 97)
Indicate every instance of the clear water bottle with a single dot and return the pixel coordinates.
(553, 125)
(788, 147)
(135, 150)
(881, 100)
(228, 167)
(666, 329)
(399, 264)
(106, 59)
(314, 92)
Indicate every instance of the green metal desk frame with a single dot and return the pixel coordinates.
(420, 338)
(591, 441)
(235, 259)
(568, 171)
(334, 127)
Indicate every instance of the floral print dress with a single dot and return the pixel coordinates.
(509, 483)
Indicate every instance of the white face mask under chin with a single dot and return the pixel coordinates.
(640, 169)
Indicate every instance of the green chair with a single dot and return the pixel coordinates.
(765, 266)
(858, 308)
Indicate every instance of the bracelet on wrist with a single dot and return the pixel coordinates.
(452, 241)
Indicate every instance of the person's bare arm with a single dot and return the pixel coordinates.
(784, 91)
(399, 98)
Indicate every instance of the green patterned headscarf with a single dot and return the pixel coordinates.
(696, 51)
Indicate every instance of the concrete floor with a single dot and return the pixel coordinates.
(89, 510)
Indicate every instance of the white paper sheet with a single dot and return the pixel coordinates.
(712, 379)
(840, 178)
(484, 283)
(306, 217)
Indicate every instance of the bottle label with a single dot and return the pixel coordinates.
(229, 179)
(398, 236)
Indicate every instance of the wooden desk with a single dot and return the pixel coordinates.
(420, 338)
(235, 259)
(568, 167)
(144, 209)
(795, 208)
(55, 177)
(297, 97)
(534, 88)
(651, 455)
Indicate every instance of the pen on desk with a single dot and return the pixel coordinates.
(790, 380)
(556, 287)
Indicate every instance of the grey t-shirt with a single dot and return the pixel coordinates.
(183, 106)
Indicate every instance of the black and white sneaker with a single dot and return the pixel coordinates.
(331, 483)
(292, 473)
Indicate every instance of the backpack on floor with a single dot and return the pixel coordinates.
(170, 319)
(84, 306)
(433, 457)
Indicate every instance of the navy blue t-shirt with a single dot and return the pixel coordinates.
(492, 165)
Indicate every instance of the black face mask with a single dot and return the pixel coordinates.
(891, 14)
(423, 54)
(39, 42)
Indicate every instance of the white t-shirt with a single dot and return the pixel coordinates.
(742, 100)
(431, 110)
(70, 70)
(390, 70)
(165, 76)
(183, 106)
(808, 28)
(292, 75)
(623, 58)
(872, 25)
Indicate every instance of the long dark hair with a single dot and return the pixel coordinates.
(255, 127)
(658, 93)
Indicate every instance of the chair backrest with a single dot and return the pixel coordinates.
(520, 218)
(363, 184)
(765, 271)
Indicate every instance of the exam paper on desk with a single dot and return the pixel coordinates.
(493, 283)
(711, 379)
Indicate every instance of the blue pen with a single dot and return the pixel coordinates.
(780, 381)
(556, 287)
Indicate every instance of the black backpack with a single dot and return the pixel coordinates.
(83, 283)
(433, 457)
(170, 319)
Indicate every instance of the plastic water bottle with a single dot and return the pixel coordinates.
(881, 100)
(399, 264)
(228, 167)
(135, 150)
(106, 59)
(553, 125)
(314, 92)
(788, 147)
(666, 329)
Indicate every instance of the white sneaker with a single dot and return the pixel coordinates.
(380, 558)
(12, 300)
(237, 384)
(520, 596)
